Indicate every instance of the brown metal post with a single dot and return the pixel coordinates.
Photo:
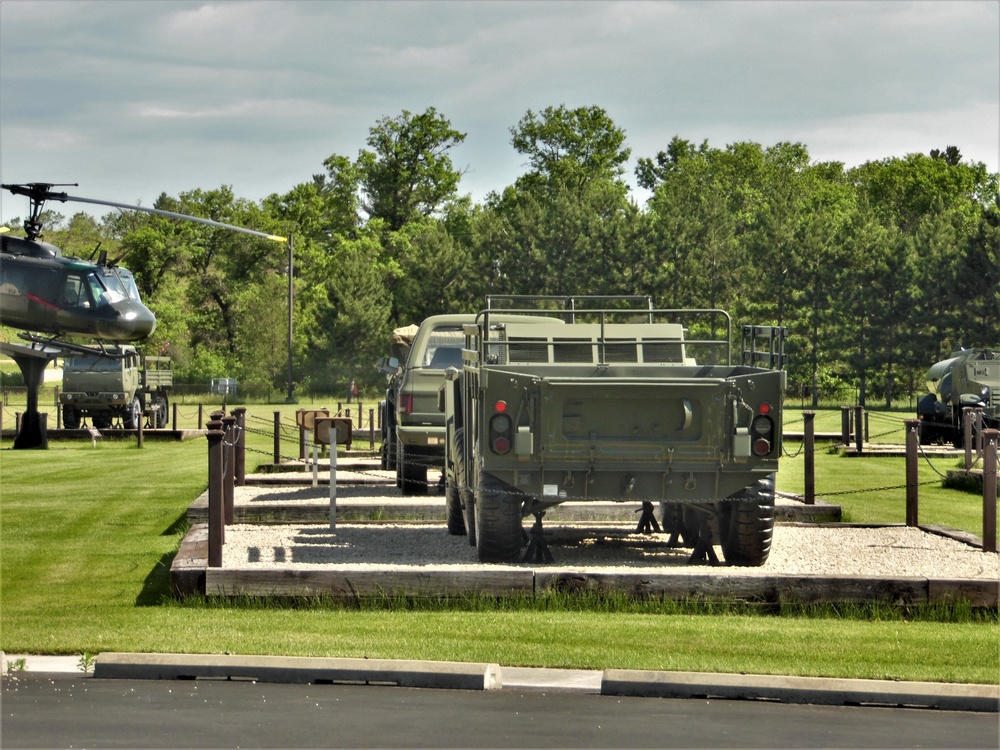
(859, 436)
(810, 458)
(277, 437)
(967, 435)
(201, 414)
(241, 445)
(912, 473)
(140, 427)
(845, 425)
(229, 426)
(216, 517)
(174, 417)
(371, 429)
(302, 443)
(990, 440)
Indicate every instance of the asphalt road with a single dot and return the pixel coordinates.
(40, 710)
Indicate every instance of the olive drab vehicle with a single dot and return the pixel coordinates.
(126, 388)
(969, 378)
(613, 400)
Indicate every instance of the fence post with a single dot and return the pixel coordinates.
(912, 473)
(810, 458)
(241, 445)
(333, 477)
(216, 519)
(990, 440)
(302, 443)
(277, 438)
(845, 425)
(859, 436)
(140, 425)
(371, 429)
(201, 414)
(967, 435)
(229, 427)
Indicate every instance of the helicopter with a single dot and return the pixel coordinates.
(41, 291)
(48, 296)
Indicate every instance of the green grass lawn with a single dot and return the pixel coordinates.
(87, 535)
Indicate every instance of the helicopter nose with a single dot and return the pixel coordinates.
(144, 322)
(135, 321)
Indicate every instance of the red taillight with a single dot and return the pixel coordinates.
(406, 403)
(765, 408)
(501, 433)
(500, 407)
(761, 447)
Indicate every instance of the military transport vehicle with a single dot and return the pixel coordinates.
(614, 400)
(970, 377)
(128, 387)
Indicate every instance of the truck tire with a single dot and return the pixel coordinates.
(413, 476)
(465, 496)
(452, 495)
(498, 521)
(160, 413)
(132, 415)
(71, 417)
(746, 524)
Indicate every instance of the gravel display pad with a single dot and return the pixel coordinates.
(796, 550)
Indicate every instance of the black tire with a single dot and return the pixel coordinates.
(132, 415)
(465, 495)
(452, 494)
(498, 521)
(746, 524)
(413, 476)
(159, 420)
(71, 417)
(453, 509)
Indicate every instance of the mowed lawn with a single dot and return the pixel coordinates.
(87, 535)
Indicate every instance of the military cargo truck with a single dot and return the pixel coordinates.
(104, 389)
(614, 400)
(970, 377)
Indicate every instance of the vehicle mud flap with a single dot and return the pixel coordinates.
(746, 524)
(498, 521)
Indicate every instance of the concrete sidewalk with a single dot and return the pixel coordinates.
(635, 683)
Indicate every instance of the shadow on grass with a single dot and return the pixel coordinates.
(156, 586)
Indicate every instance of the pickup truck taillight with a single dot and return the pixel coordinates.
(406, 403)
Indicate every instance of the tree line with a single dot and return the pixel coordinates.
(878, 271)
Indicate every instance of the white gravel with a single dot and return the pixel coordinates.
(611, 547)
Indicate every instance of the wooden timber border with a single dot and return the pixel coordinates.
(191, 575)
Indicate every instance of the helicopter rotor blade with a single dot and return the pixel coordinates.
(174, 215)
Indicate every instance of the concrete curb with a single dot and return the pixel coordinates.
(470, 676)
(402, 673)
(812, 690)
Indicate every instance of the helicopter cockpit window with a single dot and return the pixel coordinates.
(114, 290)
(75, 292)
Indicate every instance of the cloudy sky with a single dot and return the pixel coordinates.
(134, 98)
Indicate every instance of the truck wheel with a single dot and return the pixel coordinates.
(498, 521)
(162, 407)
(413, 476)
(130, 420)
(453, 508)
(452, 496)
(746, 524)
(71, 417)
(101, 421)
(465, 496)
